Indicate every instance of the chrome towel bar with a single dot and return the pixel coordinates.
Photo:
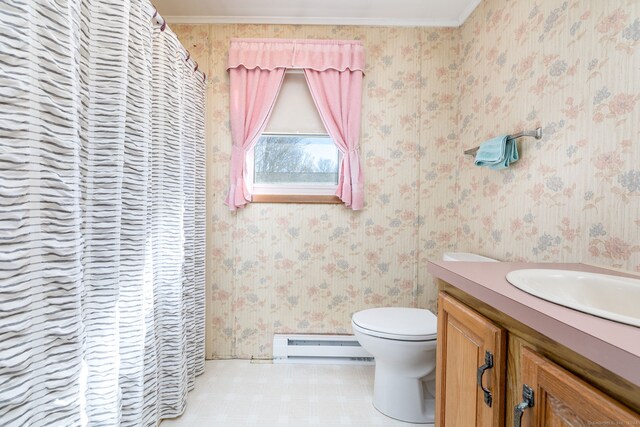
(537, 134)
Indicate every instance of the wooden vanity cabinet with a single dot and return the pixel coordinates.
(561, 399)
(471, 366)
(567, 389)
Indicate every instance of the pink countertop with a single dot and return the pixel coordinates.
(614, 346)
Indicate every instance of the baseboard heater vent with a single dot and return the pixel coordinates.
(321, 349)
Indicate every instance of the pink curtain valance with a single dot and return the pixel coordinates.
(319, 55)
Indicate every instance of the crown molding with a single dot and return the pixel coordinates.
(305, 20)
(290, 20)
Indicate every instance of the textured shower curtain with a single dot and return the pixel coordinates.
(101, 215)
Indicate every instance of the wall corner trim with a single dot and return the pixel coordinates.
(467, 12)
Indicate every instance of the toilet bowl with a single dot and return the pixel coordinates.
(403, 344)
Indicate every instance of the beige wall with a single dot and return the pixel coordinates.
(572, 67)
(429, 93)
(305, 268)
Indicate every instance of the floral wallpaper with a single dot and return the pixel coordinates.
(277, 268)
(571, 67)
(429, 94)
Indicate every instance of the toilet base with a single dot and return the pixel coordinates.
(404, 399)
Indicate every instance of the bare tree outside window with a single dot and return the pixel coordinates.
(296, 159)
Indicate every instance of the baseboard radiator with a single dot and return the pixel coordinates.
(319, 349)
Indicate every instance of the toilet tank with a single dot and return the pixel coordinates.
(465, 256)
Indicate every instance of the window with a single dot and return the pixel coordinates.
(333, 70)
(295, 160)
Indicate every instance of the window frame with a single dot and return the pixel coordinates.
(291, 192)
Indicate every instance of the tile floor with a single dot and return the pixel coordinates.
(239, 393)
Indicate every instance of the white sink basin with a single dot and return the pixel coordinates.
(611, 297)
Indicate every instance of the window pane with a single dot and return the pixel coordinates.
(295, 159)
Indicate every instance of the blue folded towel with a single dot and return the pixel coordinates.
(497, 153)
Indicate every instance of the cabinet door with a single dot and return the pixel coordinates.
(464, 340)
(561, 399)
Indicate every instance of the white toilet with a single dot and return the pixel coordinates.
(403, 343)
(466, 256)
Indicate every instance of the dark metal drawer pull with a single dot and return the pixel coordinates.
(488, 364)
(527, 402)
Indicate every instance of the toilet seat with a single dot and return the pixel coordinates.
(397, 323)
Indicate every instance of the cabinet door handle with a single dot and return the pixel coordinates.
(488, 364)
(527, 402)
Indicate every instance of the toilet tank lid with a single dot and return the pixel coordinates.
(401, 321)
(466, 256)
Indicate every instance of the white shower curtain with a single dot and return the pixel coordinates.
(101, 215)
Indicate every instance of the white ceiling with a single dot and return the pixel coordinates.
(425, 13)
